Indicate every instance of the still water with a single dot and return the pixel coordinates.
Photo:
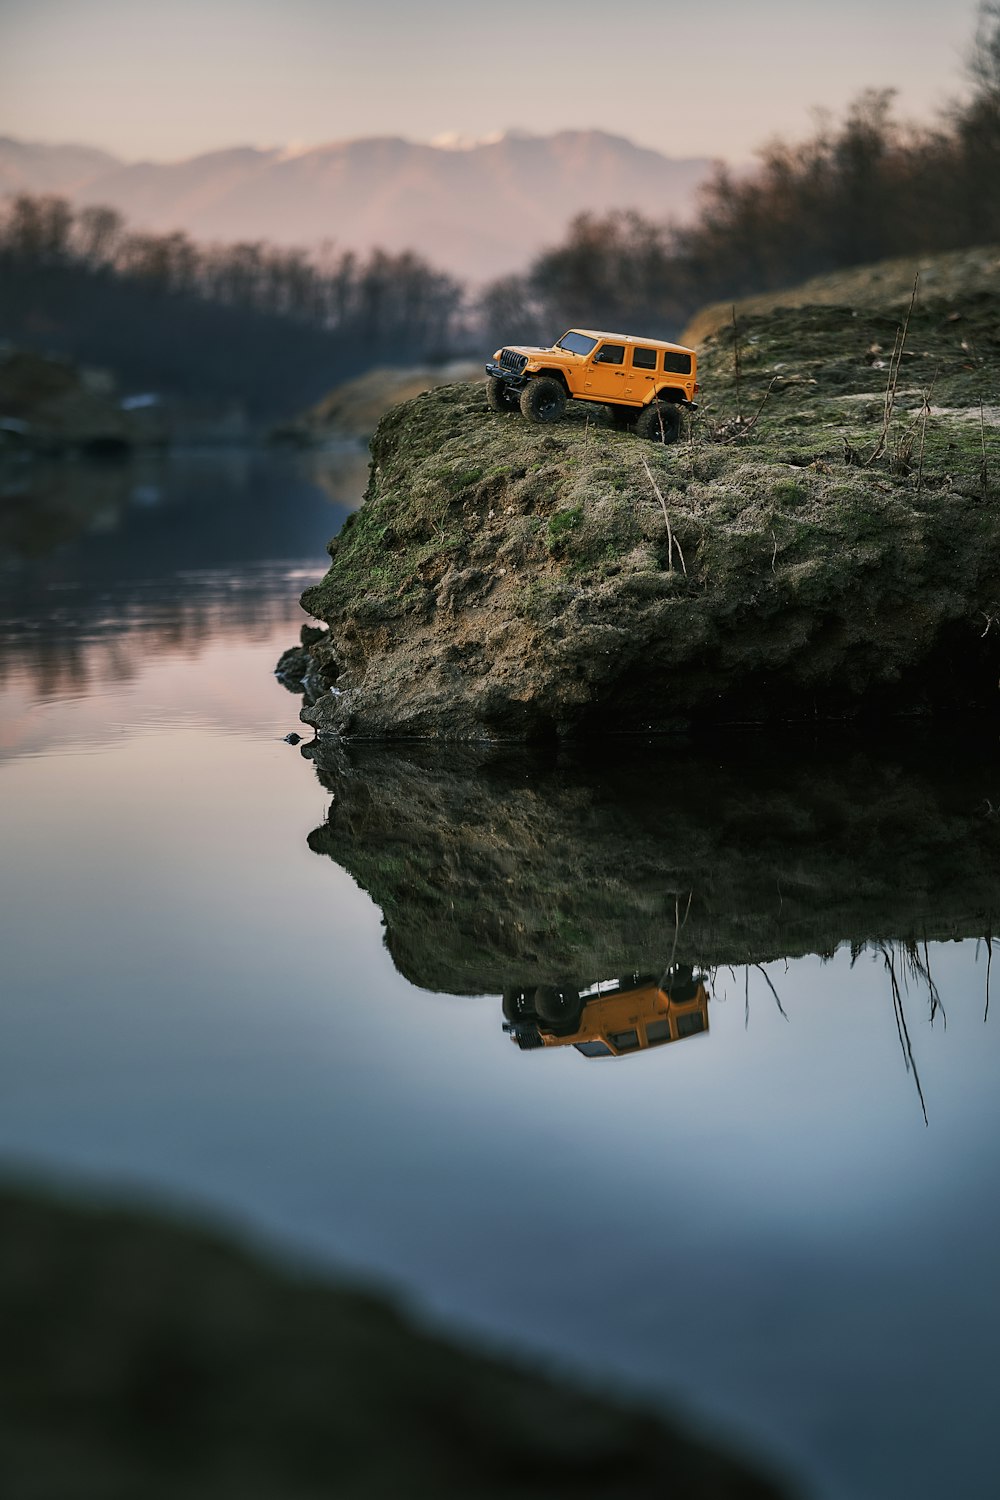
(268, 987)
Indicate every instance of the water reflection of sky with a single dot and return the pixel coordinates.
(755, 1223)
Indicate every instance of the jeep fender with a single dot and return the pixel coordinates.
(550, 374)
(671, 393)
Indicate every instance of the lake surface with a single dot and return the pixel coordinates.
(267, 987)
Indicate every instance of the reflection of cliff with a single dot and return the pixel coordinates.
(494, 872)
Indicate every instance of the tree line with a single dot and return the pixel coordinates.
(267, 327)
(275, 328)
(862, 189)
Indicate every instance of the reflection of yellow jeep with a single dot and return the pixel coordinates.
(611, 1019)
(644, 383)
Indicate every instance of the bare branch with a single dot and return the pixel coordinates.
(901, 1027)
(736, 365)
(770, 986)
(672, 541)
(892, 383)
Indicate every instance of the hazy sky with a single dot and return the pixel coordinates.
(715, 78)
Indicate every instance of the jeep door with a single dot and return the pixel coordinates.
(640, 379)
(605, 376)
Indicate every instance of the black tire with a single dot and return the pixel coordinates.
(622, 417)
(499, 396)
(555, 1005)
(659, 423)
(681, 984)
(543, 400)
(517, 1006)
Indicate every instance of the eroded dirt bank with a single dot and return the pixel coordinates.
(509, 581)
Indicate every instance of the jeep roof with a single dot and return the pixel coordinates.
(622, 338)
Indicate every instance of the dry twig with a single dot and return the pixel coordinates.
(901, 1027)
(736, 365)
(925, 412)
(763, 402)
(770, 986)
(893, 380)
(679, 922)
(672, 541)
(989, 965)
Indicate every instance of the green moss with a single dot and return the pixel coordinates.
(789, 492)
(541, 600)
(462, 479)
(561, 523)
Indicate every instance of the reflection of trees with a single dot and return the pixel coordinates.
(488, 867)
(43, 507)
(102, 566)
(67, 652)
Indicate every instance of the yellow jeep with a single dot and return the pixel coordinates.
(644, 383)
(610, 1019)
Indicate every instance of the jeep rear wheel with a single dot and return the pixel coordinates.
(499, 396)
(659, 423)
(543, 400)
(556, 1005)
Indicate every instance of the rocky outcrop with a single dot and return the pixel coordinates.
(799, 559)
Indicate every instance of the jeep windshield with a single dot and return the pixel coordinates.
(576, 343)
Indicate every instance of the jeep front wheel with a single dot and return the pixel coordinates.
(543, 400)
(499, 396)
(659, 423)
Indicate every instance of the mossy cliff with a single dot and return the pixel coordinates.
(510, 581)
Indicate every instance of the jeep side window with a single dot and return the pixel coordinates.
(677, 364)
(644, 359)
(610, 354)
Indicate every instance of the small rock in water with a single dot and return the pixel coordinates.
(293, 738)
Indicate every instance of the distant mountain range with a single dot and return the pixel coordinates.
(476, 210)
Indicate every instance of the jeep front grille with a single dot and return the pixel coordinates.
(513, 362)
